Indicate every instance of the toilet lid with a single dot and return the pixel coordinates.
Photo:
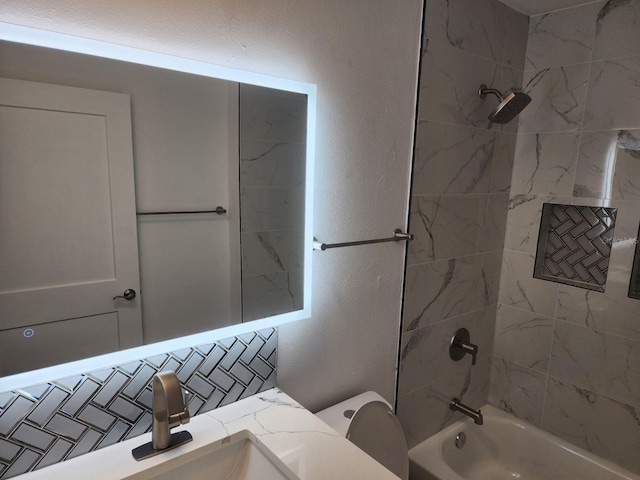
(376, 430)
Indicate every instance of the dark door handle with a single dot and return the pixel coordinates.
(129, 294)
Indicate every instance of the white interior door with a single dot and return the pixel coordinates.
(68, 241)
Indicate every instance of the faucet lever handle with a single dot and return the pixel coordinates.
(185, 416)
(472, 349)
(461, 345)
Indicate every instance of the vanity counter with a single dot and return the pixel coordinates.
(308, 446)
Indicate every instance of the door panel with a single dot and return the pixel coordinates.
(59, 183)
(68, 241)
(37, 346)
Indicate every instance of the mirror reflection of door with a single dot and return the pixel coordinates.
(187, 132)
(68, 242)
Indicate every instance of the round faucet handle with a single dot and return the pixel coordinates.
(461, 345)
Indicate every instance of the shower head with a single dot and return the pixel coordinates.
(510, 106)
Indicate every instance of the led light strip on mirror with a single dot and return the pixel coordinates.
(35, 37)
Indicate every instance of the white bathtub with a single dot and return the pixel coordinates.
(506, 448)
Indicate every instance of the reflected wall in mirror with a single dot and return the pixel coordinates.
(272, 177)
(98, 158)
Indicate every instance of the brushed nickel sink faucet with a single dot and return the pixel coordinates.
(170, 409)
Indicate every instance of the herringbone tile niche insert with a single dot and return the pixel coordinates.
(574, 245)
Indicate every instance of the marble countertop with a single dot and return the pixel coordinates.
(308, 446)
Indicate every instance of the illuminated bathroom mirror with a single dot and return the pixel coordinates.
(148, 202)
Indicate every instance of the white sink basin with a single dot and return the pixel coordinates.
(238, 457)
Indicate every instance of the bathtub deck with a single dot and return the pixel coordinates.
(505, 448)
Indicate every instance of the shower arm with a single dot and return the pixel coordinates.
(484, 90)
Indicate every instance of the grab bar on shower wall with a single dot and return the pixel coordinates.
(398, 236)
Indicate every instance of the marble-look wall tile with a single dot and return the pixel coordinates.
(519, 289)
(614, 96)
(486, 28)
(444, 227)
(495, 220)
(511, 79)
(425, 411)
(517, 390)
(523, 221)
(604, 363)
(610, 313)
(545, 163)
(523, 337)
(591, 202)
(424, 353)
(439, 290)
(449, 86)
(276, 251)
(271, 294)
(264, 163)
(596, 164)
(490, 284)
(271, 208)
(475, 26)
(275, 115)
(558, 98)
(452, 159)
(608, 164)
(560, 38)
(606, 427)
(515, 45)
(502, 163)
(617, 33)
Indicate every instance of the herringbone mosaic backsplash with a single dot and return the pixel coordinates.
(63, 419)
(575, 244)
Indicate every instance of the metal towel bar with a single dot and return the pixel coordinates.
(218, 210)
(398, 236)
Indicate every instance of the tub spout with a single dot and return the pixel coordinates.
(457, 405)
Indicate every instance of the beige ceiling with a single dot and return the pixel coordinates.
(536, 7)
